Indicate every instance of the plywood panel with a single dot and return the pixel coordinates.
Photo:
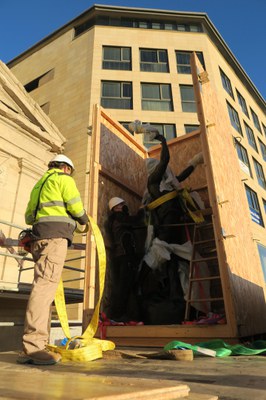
(232, 216)
(117, 170)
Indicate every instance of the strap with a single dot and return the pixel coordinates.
(163, 199)
(38, 203)
(89, 348)
(191, 207)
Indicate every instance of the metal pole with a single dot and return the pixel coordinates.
(13, 225)
(15, 256)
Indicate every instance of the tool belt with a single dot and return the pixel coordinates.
(25, 238)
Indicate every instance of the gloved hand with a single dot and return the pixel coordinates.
(196, 160)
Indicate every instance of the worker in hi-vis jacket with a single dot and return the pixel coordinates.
(53, 209)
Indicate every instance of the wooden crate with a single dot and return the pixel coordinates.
(117, 169)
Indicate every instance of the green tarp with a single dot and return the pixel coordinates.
(221, 348)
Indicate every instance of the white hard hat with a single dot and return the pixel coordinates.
(63, 159)
(114, 202)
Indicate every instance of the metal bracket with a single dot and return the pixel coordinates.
(225, 236)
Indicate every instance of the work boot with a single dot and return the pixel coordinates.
(42, 357)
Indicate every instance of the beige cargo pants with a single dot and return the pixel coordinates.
(49, 256)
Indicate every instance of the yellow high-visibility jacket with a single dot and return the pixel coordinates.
(55, 206)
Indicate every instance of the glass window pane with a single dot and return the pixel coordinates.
(112, 53)
(251, 137)
(162, 56)
(200, 57)
(169, 131)
(194, 28)
(183, 58)
(156, 25)
(126, 89)
(191, 128)
(262, 253)
(254, 208)
(226, 83)
(169, 27)
(264, 129)
(166, 92)
(150, 91)
(143, 24)
(183, 69)
(189, 107)
(263, 150)
(126, 53)
(256, 120)
(111, 89)
(187, 93)
(157, 105)
(148, 56)
(260, 174)
(235, 122)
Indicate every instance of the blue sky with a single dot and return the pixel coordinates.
(241, 23)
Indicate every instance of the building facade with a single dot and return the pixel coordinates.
(136, 64)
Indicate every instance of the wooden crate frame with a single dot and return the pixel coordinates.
(243, 290)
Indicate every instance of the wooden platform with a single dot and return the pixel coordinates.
(204, 378)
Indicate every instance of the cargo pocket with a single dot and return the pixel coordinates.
(54, 261)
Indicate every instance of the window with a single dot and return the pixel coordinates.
(259, 173)
(116, 58)
(264, 129)
(144, 24)
(242, 103)
(264, 205)
(226, 83)
(157, 25)
(188, 98)
(243, 158)
(104, 20)
(262, 253)
(183, 61)
(251, 137)
(263, 150)
(191, 128)
(44, 78)
(254, 207)
(156, 97)
(83, 27)
(189, 28)
(171, 26)
(153, 60)
(234, 118)
(167, 130)
(116, 95)
(255, 120)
